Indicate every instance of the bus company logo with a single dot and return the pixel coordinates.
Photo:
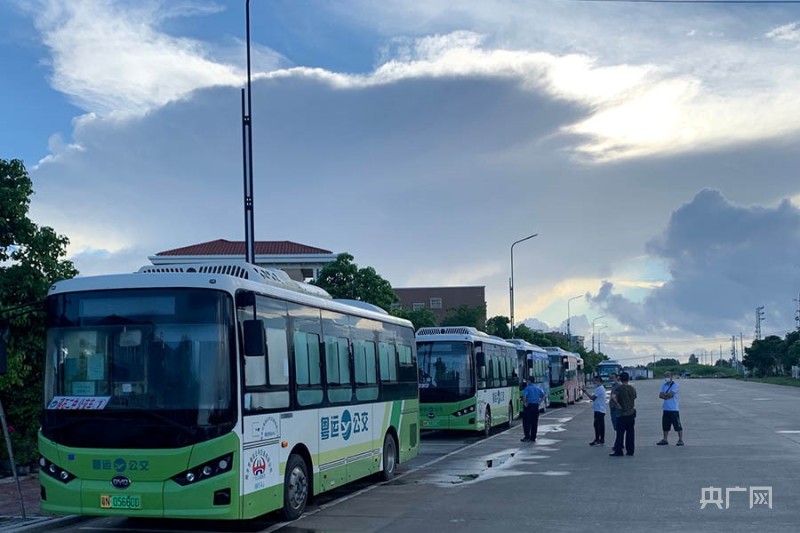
(344, 425)
(499, 396)
(258, 466)
(120, 482)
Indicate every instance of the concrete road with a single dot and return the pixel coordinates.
(741, 439)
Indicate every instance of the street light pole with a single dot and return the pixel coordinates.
(598, 338)
(511, 280)
(593, 323)
(569, 332)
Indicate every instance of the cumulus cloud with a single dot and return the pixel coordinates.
(724, 261)
(113, 57)
(787, 32)
(428, 166)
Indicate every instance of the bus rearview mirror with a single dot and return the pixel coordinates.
(254, 338)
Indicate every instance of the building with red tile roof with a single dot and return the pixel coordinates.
(300, 261)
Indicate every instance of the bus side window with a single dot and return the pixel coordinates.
(388, 362)
(307, 368)
(337, 368)
(365, 370)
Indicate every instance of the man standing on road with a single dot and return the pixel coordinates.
(531, 396)
(598, 397)
(670, 417)
(612, 409)
(624, 398)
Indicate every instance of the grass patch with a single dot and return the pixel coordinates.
(697, 371)
(779, 380)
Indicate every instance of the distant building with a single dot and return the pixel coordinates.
(440, 300)
(300, 261)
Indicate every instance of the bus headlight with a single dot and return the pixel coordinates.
(212, 468)
(55, 471)
(465, 411)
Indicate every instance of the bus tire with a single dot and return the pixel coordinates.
(487, 422)
(295, 488)
(389, 457)
(510, 415)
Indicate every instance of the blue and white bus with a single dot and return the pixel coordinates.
(533, 361)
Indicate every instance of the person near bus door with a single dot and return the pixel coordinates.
(531, 397)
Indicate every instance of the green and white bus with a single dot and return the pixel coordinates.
(468, 380)
(217, 391)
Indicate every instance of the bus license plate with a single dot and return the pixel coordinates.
(128, 501)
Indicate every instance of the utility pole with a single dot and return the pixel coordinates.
(247, 156)
(759, 318)
(797, 313)
(733, 350)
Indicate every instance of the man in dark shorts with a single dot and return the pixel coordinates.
(670, 417)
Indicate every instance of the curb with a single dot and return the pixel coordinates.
(42, 523)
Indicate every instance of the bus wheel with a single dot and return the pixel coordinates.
(487, 423)
(510, 415)
(389, 460)
(295, 488)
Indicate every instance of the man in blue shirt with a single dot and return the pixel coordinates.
(531, 397)
(670, 417)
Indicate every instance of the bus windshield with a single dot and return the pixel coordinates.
(158, 358)
(556, 370)
(445, 371)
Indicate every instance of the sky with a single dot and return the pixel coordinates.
(652, 147)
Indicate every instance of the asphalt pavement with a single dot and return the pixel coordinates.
(737, 473)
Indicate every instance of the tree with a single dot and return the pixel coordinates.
(764, 355)
(343, 279)
(421, 318)
(499, 326)
(31, 259)
(693, 359)
(666, 362)
(465, 315)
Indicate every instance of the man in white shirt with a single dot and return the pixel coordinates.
(598, 397)
(671, 416)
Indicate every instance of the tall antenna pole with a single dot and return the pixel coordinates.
(759, 319)
(247, 153)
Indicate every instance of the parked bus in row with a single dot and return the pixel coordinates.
(468, 380)
(533, 361)
(566, 369)
(606, 368)
(217, 391)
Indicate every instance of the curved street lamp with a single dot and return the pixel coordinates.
(593, 323)
(598, 337)
(511, 280)
(569, 332)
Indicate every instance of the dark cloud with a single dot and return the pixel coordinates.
(724, 261)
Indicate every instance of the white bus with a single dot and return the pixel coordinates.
(217, 391)
(468, 380)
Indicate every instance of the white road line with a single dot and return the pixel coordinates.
(343, 499)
